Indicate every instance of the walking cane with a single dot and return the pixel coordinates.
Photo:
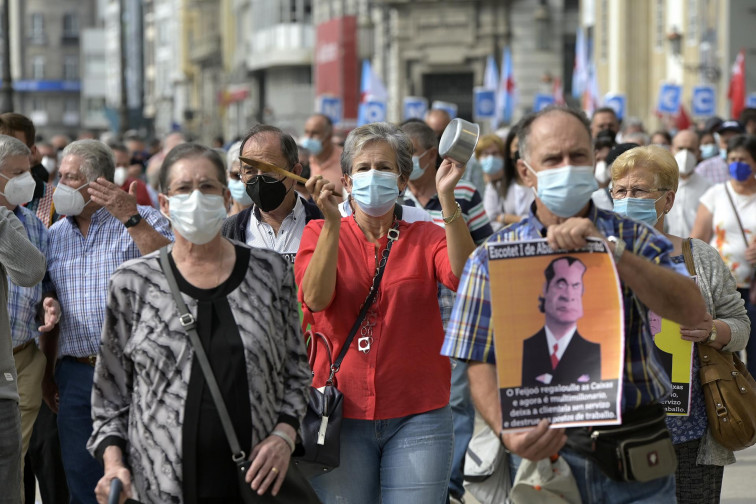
(116, 486)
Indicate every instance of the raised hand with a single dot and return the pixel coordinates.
(323, 193)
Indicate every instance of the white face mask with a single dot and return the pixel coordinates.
(197, 217)
(686, 162)
(602, 173)
(120, 175)
(49, 163)
(19, 190)
(69, 201)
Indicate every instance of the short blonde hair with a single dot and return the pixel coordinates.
(656, 159)
(487, 141)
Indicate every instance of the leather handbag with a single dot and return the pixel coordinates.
(729, 389)
(321, 427)
(295, 488)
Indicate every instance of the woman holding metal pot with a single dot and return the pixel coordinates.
(396, 436)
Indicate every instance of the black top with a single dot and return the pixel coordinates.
(209, 471)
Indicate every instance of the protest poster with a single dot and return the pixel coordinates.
(541, 299)
(676, 357)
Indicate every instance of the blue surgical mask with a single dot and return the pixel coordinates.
(565, 190)
(723, 154)
(491, 165)
(740, 171)
(312, 144)
(640, 209)
(239, 192)
(417, 170)
(375, 191)
(708, 151)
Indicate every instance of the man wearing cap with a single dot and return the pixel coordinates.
(715, 169)
(679, 221)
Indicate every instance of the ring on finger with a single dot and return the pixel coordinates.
(274, 470)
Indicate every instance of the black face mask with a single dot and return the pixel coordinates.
(266, 192)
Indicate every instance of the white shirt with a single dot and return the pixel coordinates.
(516, 202)
(679, 221)
(562, 344)
(602, 199)
(261, 235)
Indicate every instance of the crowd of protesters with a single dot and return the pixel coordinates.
(101, 380)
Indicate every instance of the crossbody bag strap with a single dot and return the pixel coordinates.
(737, 215)
(687, 251)
(393, 235)
(190, 326)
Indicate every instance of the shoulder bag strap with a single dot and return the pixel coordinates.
(189, 324)
(393, 235)
(688, 256)
(737, 215)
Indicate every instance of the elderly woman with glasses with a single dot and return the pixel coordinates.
(396, 435)
(151, 407)
(644, 181)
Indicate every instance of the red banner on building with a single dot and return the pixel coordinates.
(336, 63)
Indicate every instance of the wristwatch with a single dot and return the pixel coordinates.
(619, 247)
(712, 334)
(133, 221)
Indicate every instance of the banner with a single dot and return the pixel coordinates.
(559, 334)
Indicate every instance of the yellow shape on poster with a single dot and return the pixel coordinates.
(669, 340)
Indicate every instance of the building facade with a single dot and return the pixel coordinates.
(642, 45)
(46, 61)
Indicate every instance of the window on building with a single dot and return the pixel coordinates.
(296, 11)
(659, 26)
(70, 26)
(37, 28)
(37, 103)
(38, 67)
(604, 20)
(71, 68)
(693, 29)
(71, 105)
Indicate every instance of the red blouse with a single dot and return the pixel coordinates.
(404, 372)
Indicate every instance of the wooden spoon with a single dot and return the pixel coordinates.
(269, 168)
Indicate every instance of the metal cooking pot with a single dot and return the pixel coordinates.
(459, 140)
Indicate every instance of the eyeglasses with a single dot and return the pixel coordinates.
(204, 186)
(246, 173)
(634, 192)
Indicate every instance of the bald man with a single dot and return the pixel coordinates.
(685, 148)
(325, 156)
(438, 120)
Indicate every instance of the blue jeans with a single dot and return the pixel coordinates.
(750, 349)
(400, 460)
(74, 381)
(10, 452)
(597, 488)
(463, 416)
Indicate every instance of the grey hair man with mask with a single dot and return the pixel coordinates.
(23, 264)
(278, 214)
(557, 161)
(103, 228)
(692, 186)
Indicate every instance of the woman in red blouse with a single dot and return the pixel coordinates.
(396, 438)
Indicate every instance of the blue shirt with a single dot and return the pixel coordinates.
(469, 334)
(79, 269)
(23, 301)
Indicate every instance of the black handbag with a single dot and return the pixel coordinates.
(321, 427)
(295, 488)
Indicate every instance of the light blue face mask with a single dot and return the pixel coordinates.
(417, 170)
(491, 165)
(312, 144)
(723, 154)
(640, 209)
(239, 192)
(565, 190)
(375, 191)
(708, 151)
